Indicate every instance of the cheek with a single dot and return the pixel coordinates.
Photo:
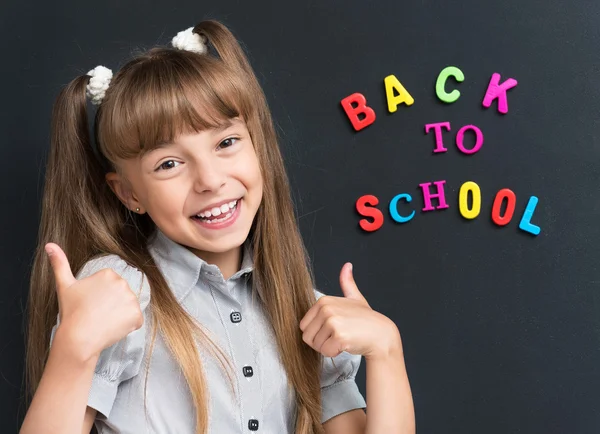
(251, 172)
(257, 178)
(166, 196)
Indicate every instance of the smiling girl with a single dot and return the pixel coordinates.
(171, 280)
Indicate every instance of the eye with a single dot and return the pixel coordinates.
(229, 142)
(167, 165)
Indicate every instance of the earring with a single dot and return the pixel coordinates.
(137, 210)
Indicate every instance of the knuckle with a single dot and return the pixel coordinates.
(328, 310)
(123, 285)
(105, 273)
(331, 322)
(139, 319)
(109, 274)
(323, 300)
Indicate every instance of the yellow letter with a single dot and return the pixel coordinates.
(462, 200)
(391, 83)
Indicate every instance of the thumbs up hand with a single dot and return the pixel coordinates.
(336, 324)
(94, 312)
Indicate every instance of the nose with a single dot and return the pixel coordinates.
(209, 176)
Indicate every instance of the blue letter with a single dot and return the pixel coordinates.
(394, 208)
(526, 220)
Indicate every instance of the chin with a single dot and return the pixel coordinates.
(218, 243)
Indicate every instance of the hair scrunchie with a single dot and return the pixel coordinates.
(189, 41)
(100, 78)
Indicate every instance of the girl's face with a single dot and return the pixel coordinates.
(178, 184)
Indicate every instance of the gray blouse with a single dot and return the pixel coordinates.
(263, 401)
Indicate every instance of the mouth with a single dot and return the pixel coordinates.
(218, 214)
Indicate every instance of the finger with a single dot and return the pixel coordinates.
(60, 266)
(331, 348)
(311, 330)
(348, 284)
(325, 332)
(312, 313)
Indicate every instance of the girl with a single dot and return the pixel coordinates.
(193, 310)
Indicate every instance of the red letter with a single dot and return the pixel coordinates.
(369, 211)
(439, 143)
(427, 196)
(361, 108)
(511, 200)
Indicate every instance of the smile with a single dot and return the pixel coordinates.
(220, 217)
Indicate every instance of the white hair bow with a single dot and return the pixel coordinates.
(190, 41)
(100, 78)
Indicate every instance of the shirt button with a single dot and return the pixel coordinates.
(253, 425)
(235, 317)
(248, 371)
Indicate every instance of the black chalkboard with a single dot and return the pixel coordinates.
(501, 326)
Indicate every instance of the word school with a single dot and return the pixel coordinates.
(361, 116)
(365, 205)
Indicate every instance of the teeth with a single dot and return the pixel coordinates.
(219, 220)
(217, 211)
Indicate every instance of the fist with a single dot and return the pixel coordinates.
(94, 312)
(336, 324)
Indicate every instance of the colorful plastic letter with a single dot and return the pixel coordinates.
(369, 211)
(439, 141)
(496, 90)
(463, 196)
(391, 83)
(394, 208)
(526, 224)
(361, 108)
(440, 84)
(511, 201)
(461, 135)
(427, 196)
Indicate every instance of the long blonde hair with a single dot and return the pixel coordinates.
(154, 97)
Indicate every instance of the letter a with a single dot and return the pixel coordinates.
(391, 83)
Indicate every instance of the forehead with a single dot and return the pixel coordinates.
(223, 125)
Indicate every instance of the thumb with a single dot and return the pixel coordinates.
(348, 284)
(60, 265)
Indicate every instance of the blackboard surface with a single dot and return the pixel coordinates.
(500, 327)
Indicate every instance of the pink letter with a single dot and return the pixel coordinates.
(496, 90)
(427, 196)
(461, 135)
(439, 143)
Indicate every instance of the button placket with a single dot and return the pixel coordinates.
(250, 393)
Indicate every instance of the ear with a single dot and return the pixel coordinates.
(122, 189)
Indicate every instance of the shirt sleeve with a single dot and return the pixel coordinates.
(339, 391)
(122, 360)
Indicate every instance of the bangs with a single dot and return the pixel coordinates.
(167, 93)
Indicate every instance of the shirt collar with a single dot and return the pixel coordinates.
(182, 268)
